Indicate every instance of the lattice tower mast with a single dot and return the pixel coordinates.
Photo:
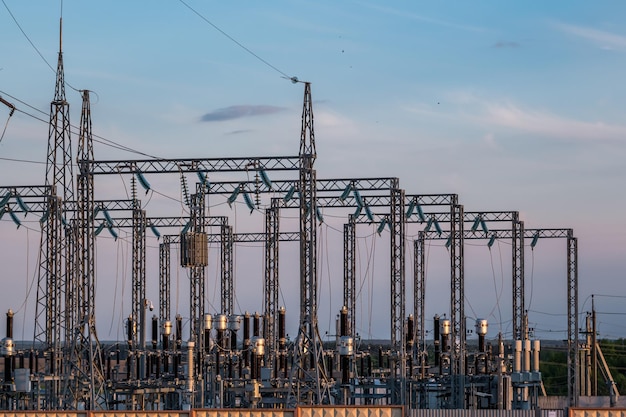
(55, 272)
(457, 308)
(138, 276)
(87, 360)
(197, 273)
(308, 361)
(270, 290)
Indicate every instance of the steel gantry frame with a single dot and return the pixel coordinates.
(396, 219)
(468, 217)
(518, 233)
(181, 166)
(197, 282)
(272, 235)
(197, 309)
(65, 310)
(456, 236)
(397, 251)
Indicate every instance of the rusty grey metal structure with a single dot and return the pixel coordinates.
(517, 240)
(573, 385)
(138, 275)
(88, 378)
(307, 355)
(271, 287)
(273, 236)
(416, 202)
(65, 315)
(457, 308)
(456, 236)
(197, 281)
(349, 272)
(419, 301)
(197, 269)
(181, 166)
(225, 237)
(228, 296)
(398, 290)
(517, 233)
(56, 283)
(165, 285)
(344, 201)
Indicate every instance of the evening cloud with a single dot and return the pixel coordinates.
(237, 112)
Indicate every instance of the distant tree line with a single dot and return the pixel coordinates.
(554, 367)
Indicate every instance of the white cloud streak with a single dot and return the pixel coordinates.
(606, 40)
(420, 18)
(548, 124)
(491, 113)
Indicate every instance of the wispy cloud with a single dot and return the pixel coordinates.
(549, 124)
(491, 113)
(239, 131)
(606, 40)
(237, 112)
(506, 44)
(421, 18)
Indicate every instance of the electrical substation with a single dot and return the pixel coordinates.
(236, 359)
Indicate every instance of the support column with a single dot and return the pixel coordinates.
(517, 250)
(457, 311)
(572, 320)
(349, 273)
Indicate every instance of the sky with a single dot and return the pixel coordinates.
(513, 106)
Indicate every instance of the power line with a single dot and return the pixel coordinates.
(26, 36)
(21, 160)
(239, 44)
(97, 138)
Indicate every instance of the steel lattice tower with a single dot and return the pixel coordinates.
(272, 227)
(88, 367)
(308, 366)
(349, 272)
(457, 307)
(398, 294)
(572, 321)
(164, 281)
(55, 282)
(419, 298)
(519, 330)
(138, 276)
(227, 278)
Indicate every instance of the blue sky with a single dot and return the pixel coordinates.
(515, 106)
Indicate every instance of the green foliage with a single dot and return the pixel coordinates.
(554, 367)
(615, 355)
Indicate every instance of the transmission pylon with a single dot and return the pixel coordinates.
(308, 377)
(88, 376)
(53, 320)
